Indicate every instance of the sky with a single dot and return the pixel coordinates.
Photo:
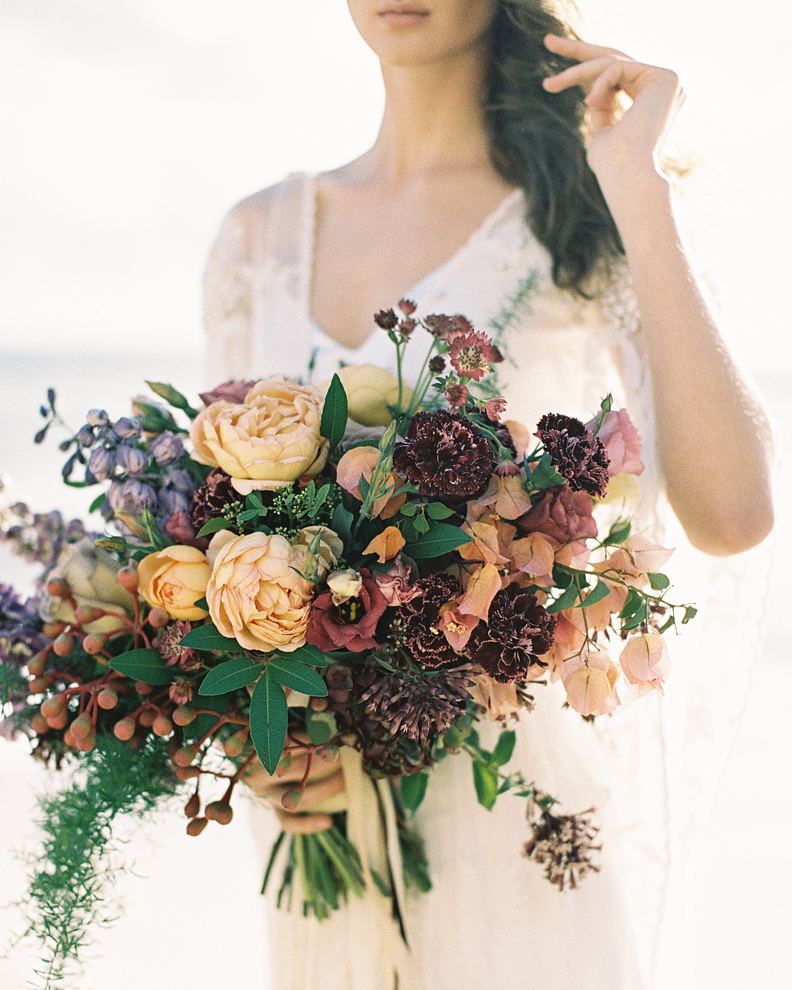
(131, 127)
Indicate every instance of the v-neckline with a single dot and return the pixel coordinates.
(309, 247)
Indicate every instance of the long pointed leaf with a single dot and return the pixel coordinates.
(230, 676)
(269, 715)
(298, 677)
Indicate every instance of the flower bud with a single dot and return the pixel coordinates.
(39, 684)
(328, 753)
(39, 724)
(94, 643)
(127, 577)
(52, 707)
(38, 663)
(142, 688)
(58, 588)
(220, 812)
(127, 428)
(97, 417)
(234, 745)
(291, 799)
(186, 773)
(101, 463)
(58, 721)
(158, 618)
(318, 704)
(166, 448)
(124, 728)
(184, 756)
(147, 717)
(85, 436)
(107, 698)
(69, 740)
(162, 726)
(87, 613)
(53, 629)
(196, 826)
(63, 645)
(133, 460)
(85, 743)
(192, 807)
(184, 715)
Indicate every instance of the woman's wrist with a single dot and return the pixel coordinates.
(638, 198)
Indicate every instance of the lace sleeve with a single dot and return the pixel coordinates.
(227, 304)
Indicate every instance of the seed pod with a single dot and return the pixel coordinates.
(39, 684)
(162, 726)
(86, 743)
(107, 698)
(158, 618)
(193, 806)
(220, 812)
(69, 740)
(53, 629)
(196, 826)
(38, 664)
(94, 643)
(58, 721)
(291, 799)
(186, 773)
(58, 588)
(52, 707)
(234, 745)
(147, 717)
(184, 756)
(87, 613)
(64, 644)
(127, 577)
(142, 688)
(39, 724)
(81, 727)
(184, 715)
(124, 728)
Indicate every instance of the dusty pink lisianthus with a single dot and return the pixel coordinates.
(622, 442)
(561, 514)
(395, 584)
(232, 391)
(350, 625)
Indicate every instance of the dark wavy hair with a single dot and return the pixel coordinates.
(536, 141)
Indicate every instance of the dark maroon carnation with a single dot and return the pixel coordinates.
(424, 639)
(350, 625)
(576, 453)
(212, 499)
(517, 632)
(561, 514)
(233, 391)
(445, 456)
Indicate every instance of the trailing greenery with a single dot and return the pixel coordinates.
(68, 881)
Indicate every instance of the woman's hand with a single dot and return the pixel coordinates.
(300, 811)
(618, 141)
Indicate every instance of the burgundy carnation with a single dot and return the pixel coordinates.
(516, 634)
(575, 452)
(445, 456)
(212, 499)
(425, 640)
(561, 514)
(233, 391)
(350, 625)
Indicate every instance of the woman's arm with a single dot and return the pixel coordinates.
(713, 435)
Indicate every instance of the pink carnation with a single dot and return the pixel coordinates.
(622, 442)
(395, 584)
(561, 514)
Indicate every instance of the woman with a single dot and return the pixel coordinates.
(507, 182)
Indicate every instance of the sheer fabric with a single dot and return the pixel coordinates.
(491, 918)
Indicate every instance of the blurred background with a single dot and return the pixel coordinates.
(128, 129)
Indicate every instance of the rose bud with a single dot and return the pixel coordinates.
(196, 826)
(63, 645)
(193, 806)
(124, 728)
(162, 726)
(107, 699)
(184, 715)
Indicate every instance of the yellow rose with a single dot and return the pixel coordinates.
(255, 594)
(266, 442)
(175, 579)
(91, 574)
(370, 390)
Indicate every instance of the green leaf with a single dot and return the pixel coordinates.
(334, 412)
(486, 783)
(97, 502)
(544, 475)
(320, 726)
(601, 590)
(207, 637)
(413, 790)
(441, 538)
(659, 582)
(143, 665)
(635, 620)
(248, 514)
(436, 510)
(632, 603)
(505, 747)
(212, 526)
(690, 613)
(269, 715)
(341, 523)
(422, 525)
(311, 655)
(567, 600)
(297, 676)
(230, 676)
(409, 509)
(619, 532)
(173, 397)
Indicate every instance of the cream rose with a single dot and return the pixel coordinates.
(266, 442)
(175, 579)
(255, 594)
(370, 390)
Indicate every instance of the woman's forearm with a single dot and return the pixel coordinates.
(713, 436)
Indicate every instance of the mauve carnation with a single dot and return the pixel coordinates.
(232, 391)
(179, 528)
(622, 442)
(561, 514)
(396, 583)
(351, 625)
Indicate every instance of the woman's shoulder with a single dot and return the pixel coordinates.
(256, 212)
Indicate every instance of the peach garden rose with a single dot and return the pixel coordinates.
(175, 579)
(255, 594)
(267, 441)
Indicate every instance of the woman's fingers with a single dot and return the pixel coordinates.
(580, 74)
(573, 48)
(303, 824)
(314, 793)
(291, 769)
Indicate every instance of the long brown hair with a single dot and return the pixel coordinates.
(537, 142)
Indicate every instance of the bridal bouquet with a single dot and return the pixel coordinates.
(354, 571)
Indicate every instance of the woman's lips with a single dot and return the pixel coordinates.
(402, 17)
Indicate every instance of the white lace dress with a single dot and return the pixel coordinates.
(491, 918)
